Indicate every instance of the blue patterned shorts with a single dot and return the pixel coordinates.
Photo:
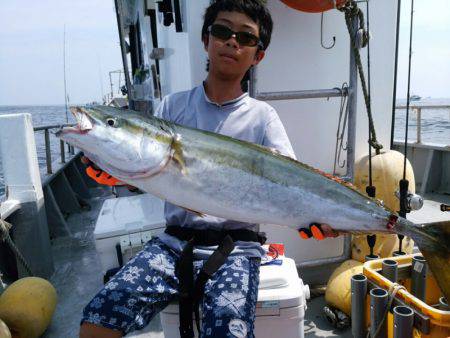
(147, 284)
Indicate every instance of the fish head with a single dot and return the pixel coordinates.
(124, 144)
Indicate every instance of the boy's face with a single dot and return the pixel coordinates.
(229, 59)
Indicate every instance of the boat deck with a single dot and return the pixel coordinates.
(78, 274)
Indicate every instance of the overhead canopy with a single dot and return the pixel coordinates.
(313, 6)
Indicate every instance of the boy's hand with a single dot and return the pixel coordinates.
(318, 231)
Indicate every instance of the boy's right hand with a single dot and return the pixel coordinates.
(318, 231)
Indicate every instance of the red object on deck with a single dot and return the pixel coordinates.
(102, 177)
(314, 6)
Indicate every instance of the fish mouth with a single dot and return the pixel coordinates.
(84, 122)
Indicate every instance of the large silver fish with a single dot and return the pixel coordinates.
(221, 176)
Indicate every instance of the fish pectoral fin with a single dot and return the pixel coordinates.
(195, 212)
(178, 155)
(198, 213)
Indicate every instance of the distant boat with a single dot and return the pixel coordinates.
(415, 98)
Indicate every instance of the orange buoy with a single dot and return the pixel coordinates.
(314, 6)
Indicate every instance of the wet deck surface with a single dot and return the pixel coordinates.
(78, 276)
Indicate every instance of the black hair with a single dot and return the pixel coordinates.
(254, 9)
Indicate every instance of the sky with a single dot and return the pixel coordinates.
(31, 50)
(430, 66)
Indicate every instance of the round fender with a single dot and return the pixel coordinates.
(313, 6)
(387, 171)
(338, 293)
(27, 306)
(4, 331)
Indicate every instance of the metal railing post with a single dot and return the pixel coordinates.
(419, 125)
(63, 151)
(48, 154)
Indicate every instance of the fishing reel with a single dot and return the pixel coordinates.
(413, 201)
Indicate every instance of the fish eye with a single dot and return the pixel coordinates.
(111, 122)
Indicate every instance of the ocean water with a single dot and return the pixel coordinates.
(435, 123)
(435, 126)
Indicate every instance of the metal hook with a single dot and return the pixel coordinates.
(321, 35)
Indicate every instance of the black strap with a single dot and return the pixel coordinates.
(212, 264)
(210, 237)
(190, 292)
(185, 272)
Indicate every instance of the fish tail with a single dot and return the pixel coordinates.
(435, 247)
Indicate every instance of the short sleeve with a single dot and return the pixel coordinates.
(161, 110)
(275, 137)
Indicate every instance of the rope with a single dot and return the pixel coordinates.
(395, 287)
(351, 10)
(372, 188)
(4, 237)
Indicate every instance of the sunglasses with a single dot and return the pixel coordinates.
(243, 38)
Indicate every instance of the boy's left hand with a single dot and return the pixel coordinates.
(318, 231)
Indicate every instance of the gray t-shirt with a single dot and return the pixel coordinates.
(243, 118)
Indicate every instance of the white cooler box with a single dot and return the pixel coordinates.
(280, 309)
(129, 221)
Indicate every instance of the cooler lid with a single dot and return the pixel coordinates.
(280, 286)
(131, 214)
(273, 276)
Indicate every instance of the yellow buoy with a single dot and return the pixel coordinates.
(4, 331)
(338, 293)
(387, 171)
(27, 306)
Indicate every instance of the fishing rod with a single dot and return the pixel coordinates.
(65, 82)
(404, 183)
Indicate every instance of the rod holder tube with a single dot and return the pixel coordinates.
(419, 277)
(359, 291)
(371, 257)
(443, 304)
(403, 322)
(378, 303)
(389, 270)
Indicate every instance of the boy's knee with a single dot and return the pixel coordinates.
(88, 330)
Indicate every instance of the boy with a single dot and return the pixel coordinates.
(235, 34)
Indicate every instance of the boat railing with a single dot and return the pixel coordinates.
(417, 108)
(48, 154)
(37, 203)
(429, 160)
